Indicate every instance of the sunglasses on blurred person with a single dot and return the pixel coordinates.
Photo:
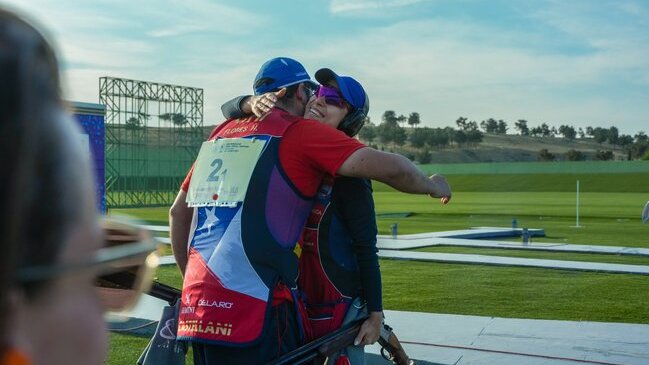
(124, 267)
(311, 89)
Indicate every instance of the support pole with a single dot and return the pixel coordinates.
(577, 223)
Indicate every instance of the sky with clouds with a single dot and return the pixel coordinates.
(582, 63)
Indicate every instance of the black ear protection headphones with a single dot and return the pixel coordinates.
(355, 119)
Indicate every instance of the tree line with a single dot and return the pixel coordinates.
(393, 133)
(390, 132)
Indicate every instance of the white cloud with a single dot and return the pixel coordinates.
(82, 84)
(111, 53)
(633, 8)
(162, 41)
(352, 6)
(176, 30)
(605, 28)
(174, 17)
(439, 68)
(446, 69)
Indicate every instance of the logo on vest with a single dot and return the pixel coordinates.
(196, 326)
(214, 304)
(186, 310)
(167, 332)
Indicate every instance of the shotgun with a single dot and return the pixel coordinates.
(391, 348)
(321, 348)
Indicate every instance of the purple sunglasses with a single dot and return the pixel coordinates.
(331, 95)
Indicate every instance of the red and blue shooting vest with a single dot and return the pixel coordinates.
(237, 255)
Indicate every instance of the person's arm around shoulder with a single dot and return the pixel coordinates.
(396, 171)
(245, 105)
(235, 108)
(180, 220)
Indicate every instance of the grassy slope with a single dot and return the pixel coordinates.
(512, 148)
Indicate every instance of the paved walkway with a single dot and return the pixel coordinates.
(514, 261)
(155, 228)
(464, 340)
(473, 340)
(474, 233)
(388, 243)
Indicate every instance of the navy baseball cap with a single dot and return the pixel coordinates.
(277, 73)
(352, 91)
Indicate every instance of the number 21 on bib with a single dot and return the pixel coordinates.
(222, 171)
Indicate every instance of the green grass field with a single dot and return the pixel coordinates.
(610, 207)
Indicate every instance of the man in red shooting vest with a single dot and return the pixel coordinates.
(240, 212)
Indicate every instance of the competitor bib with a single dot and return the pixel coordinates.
(222, 171)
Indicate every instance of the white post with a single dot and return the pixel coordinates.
(577, 224)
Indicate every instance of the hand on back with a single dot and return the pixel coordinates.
(262, 104)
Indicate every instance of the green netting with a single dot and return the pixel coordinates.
(153, 133)
(160, 161)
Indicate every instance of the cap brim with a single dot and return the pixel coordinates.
(295, 83)
(324, 75)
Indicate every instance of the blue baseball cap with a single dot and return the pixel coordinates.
(351, 90)
(277, 73)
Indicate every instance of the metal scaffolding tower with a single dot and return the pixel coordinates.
(153, 133)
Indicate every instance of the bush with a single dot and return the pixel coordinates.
(646, 156)
(368, 133)
(545, 155)
(424, 157)
(574, 155)
(604, 155)
(133, 123)
(409, 155)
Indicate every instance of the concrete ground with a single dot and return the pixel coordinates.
(464, 340)
(472, 340)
